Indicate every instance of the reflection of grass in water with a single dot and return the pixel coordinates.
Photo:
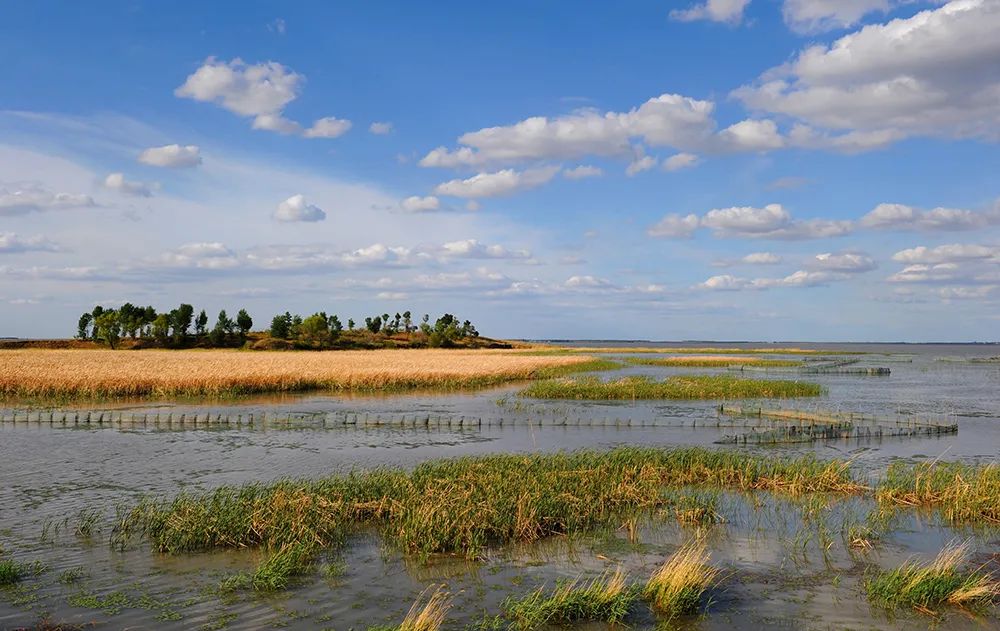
(928, 586)
(678, 387)
(677, 587)
(607, 598)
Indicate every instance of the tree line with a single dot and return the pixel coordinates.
(180, 328)
(171, 329)
(319, 328)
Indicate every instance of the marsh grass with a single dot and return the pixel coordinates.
(276, 571)
(11, 572)
(98, 374)
(677, 587)
(962, 493)
(467, 504)
(607, 598)
(714, 361)
(677, 387)
(697, 509)
(929, 586)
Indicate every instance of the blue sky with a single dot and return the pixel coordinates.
(730, 169)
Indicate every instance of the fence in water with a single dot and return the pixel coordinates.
(771, 426)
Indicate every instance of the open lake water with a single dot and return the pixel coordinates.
(782, 568)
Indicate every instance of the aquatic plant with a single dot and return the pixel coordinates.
(677, 387)
(607, 598)
(677, 587)
(464, 505)
(961, 492)
(71, 374)
(928, 586)
(713, 361)
(699, 510)
(11, 572)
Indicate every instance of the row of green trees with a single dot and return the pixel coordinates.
(321, 328)
(172, 329)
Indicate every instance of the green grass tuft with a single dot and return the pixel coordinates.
(679, 387)
(929, 586)
(607, 598)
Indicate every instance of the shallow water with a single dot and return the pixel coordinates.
(780, 571)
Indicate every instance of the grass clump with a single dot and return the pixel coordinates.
(713, 361)
(607, 598)
(697, 510)
(929, 586)
(11, 572)
(677, 588)
(961, 492)
(423, 616)
(678, 387)
(276, 571)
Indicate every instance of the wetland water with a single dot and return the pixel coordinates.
(785, 561)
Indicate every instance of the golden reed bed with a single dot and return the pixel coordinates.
(106, 373)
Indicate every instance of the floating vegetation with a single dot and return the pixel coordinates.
(74, 374)
(699, 509)
(713, 361)
(678, 586)
(467, 504)
(772, 426)
(607, 598)
(677, 387)
(929, 586)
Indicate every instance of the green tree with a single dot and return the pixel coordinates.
(109, 327)
(83, 326)
(200, 323)
(281, 325)
(335, 327)
(350, 324)
(160, 328)
(316, 327)
(96, 313)
(180, 319)
(374, 324)
(407, 322)
(222, 330)
(244, 322)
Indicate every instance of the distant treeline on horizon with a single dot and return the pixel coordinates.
(173, 329)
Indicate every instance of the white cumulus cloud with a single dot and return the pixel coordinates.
(498, 183)
(295, 208)
(117, 182)
(172, 156)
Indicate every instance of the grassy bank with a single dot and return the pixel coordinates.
(679, 387)
(70, 374)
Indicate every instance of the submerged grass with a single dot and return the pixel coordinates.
(607, 598)
(11, 572)
(465, 505)
(932, 585)
(277, 570)
(713, 361)
(678, 387)
(677, 588)
(69, 374)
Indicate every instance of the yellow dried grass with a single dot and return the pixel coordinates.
(106, 373)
